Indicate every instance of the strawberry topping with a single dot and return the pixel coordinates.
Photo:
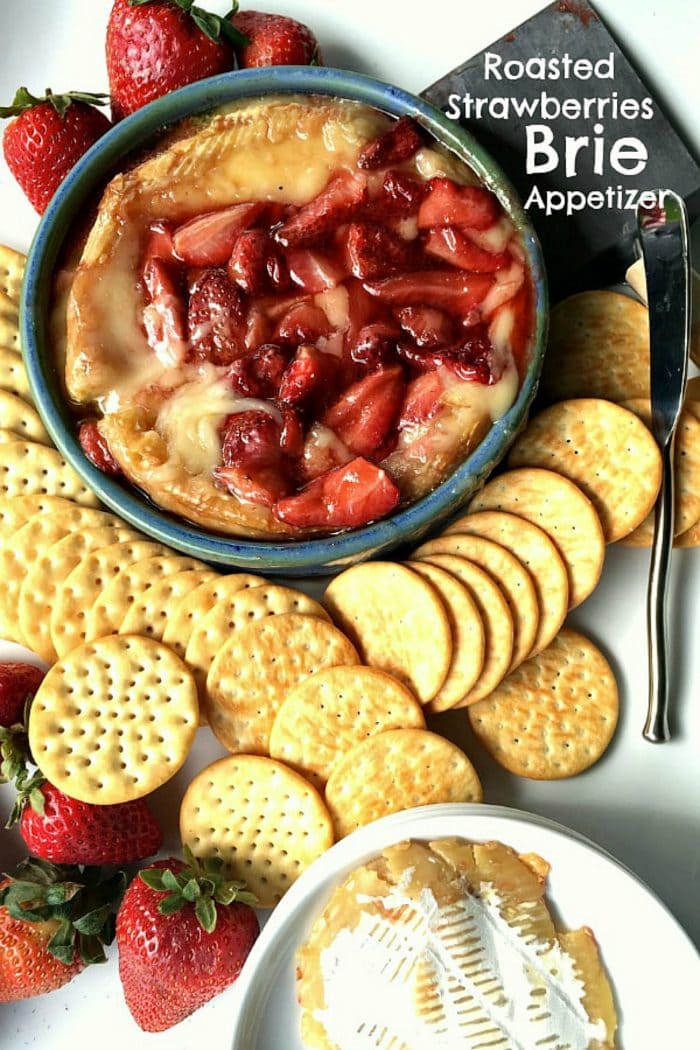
(450, 244)
(304, 323)
(456, 291)
(312, 270)
(309, 375)
(209, 239)
(374, 251)
(164, 317)
(259, 374)
(427, 325)
(341, 197)
(344, 498)
(216, 319)
(95, 447)
(399, 142)
(255, 264)
(365, 413)
(375, 344)
(447, 204)
(254, 467)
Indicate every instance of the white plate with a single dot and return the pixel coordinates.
(655, 969)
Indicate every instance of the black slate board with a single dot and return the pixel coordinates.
(590, 248)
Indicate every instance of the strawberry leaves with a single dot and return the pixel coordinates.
(24, 100)
(201, 883)
(216, 27)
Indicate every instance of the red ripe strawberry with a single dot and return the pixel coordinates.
(310, 373)
(164, 317)
(255, 264)
(344, 498)
(323, 451)
(456, 291)
(342, 196)
(304, 323)
(471, 360)
(66, 831)
(155, 47)
(183, 933)
(253, 468)
(216, 319)
(396, 144)
(373, 251)
(423, 399)
(208, 240)
(427, 325)
(95, 447)
(312, 270)
(48, 138)
(18, 682)
(400, 193)
(259, 374)
(160, 242)
(374, 345)
(447, 204)
(53, 922)
(454, 247)
(292, 433)
(365, 413)
(275, 40)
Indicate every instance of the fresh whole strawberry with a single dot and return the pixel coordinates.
(275, 40)
(18, 682)
(48, 137)
(156, 46)
(183, 933)
(54, 921)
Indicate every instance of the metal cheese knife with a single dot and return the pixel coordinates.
(663, 233)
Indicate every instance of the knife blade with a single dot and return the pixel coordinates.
(663, 234)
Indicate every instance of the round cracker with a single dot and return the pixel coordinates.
(21, 419)
(15, 512)
(9, 325)
(605, 449)
(230, 614)
(114, 719)
(12, 265)
(397, 622)
(495, 616)
(562, 510)
(21, 549)
(108, 611)
(538, 554)
(689, 538)
(330, 712)
(692, 389)
(508, 572)
(13, 376)
(686, 474)
(184, 617)
(398, 770)
(262, 819)
(30, 469)
(598, 347)
(468, 644)
(257, 667)
(149, 611)
(37, 594)
(76, 594)
(555, 715)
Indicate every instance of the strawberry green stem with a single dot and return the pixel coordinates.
(24, 100)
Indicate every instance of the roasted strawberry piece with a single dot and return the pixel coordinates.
(365, 413)
(255, 264)
(96, 448)
(344, 498)
(304, 323)
(160, 242)
(216, 319)
(259, 373)
(374, 344)
(396, 144)
(447, 204)
(471, 359)
(456, 248)
(427, 325)
(323, 451)
(506, 285)
(423, 399)
(401, 193)
(340, 198)
(164, 317)
(313, 270)
(292, 433)
(208, 240)
(309, 376)
(456, 291)
(258, 328)
(373, 250)
(253, 468)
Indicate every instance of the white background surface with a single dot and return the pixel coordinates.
(642, 803)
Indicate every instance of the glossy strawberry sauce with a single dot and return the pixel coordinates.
(342, 380)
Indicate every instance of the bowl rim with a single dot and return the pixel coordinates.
(316, 554)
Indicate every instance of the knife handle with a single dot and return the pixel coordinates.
(656, 726)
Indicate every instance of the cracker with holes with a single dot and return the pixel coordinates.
(9, 325)
(13, 377)
(598, 347)
(330, 712)
(256, 669)
(398, 770)
(686, 474)
(562, 510)
(229, 615)
(397, 621)
(21, 419)
(30, 469)
(264, 820)
(190, 610)
(109, 609)
(605, 449)
(538, 554)
(12, 265)
(45, 577)
(114, 719)
(555, 715)
(508, 572)
(495, 617)
(17, 511)
(83, 586)
(148, 613)
(468, 638)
